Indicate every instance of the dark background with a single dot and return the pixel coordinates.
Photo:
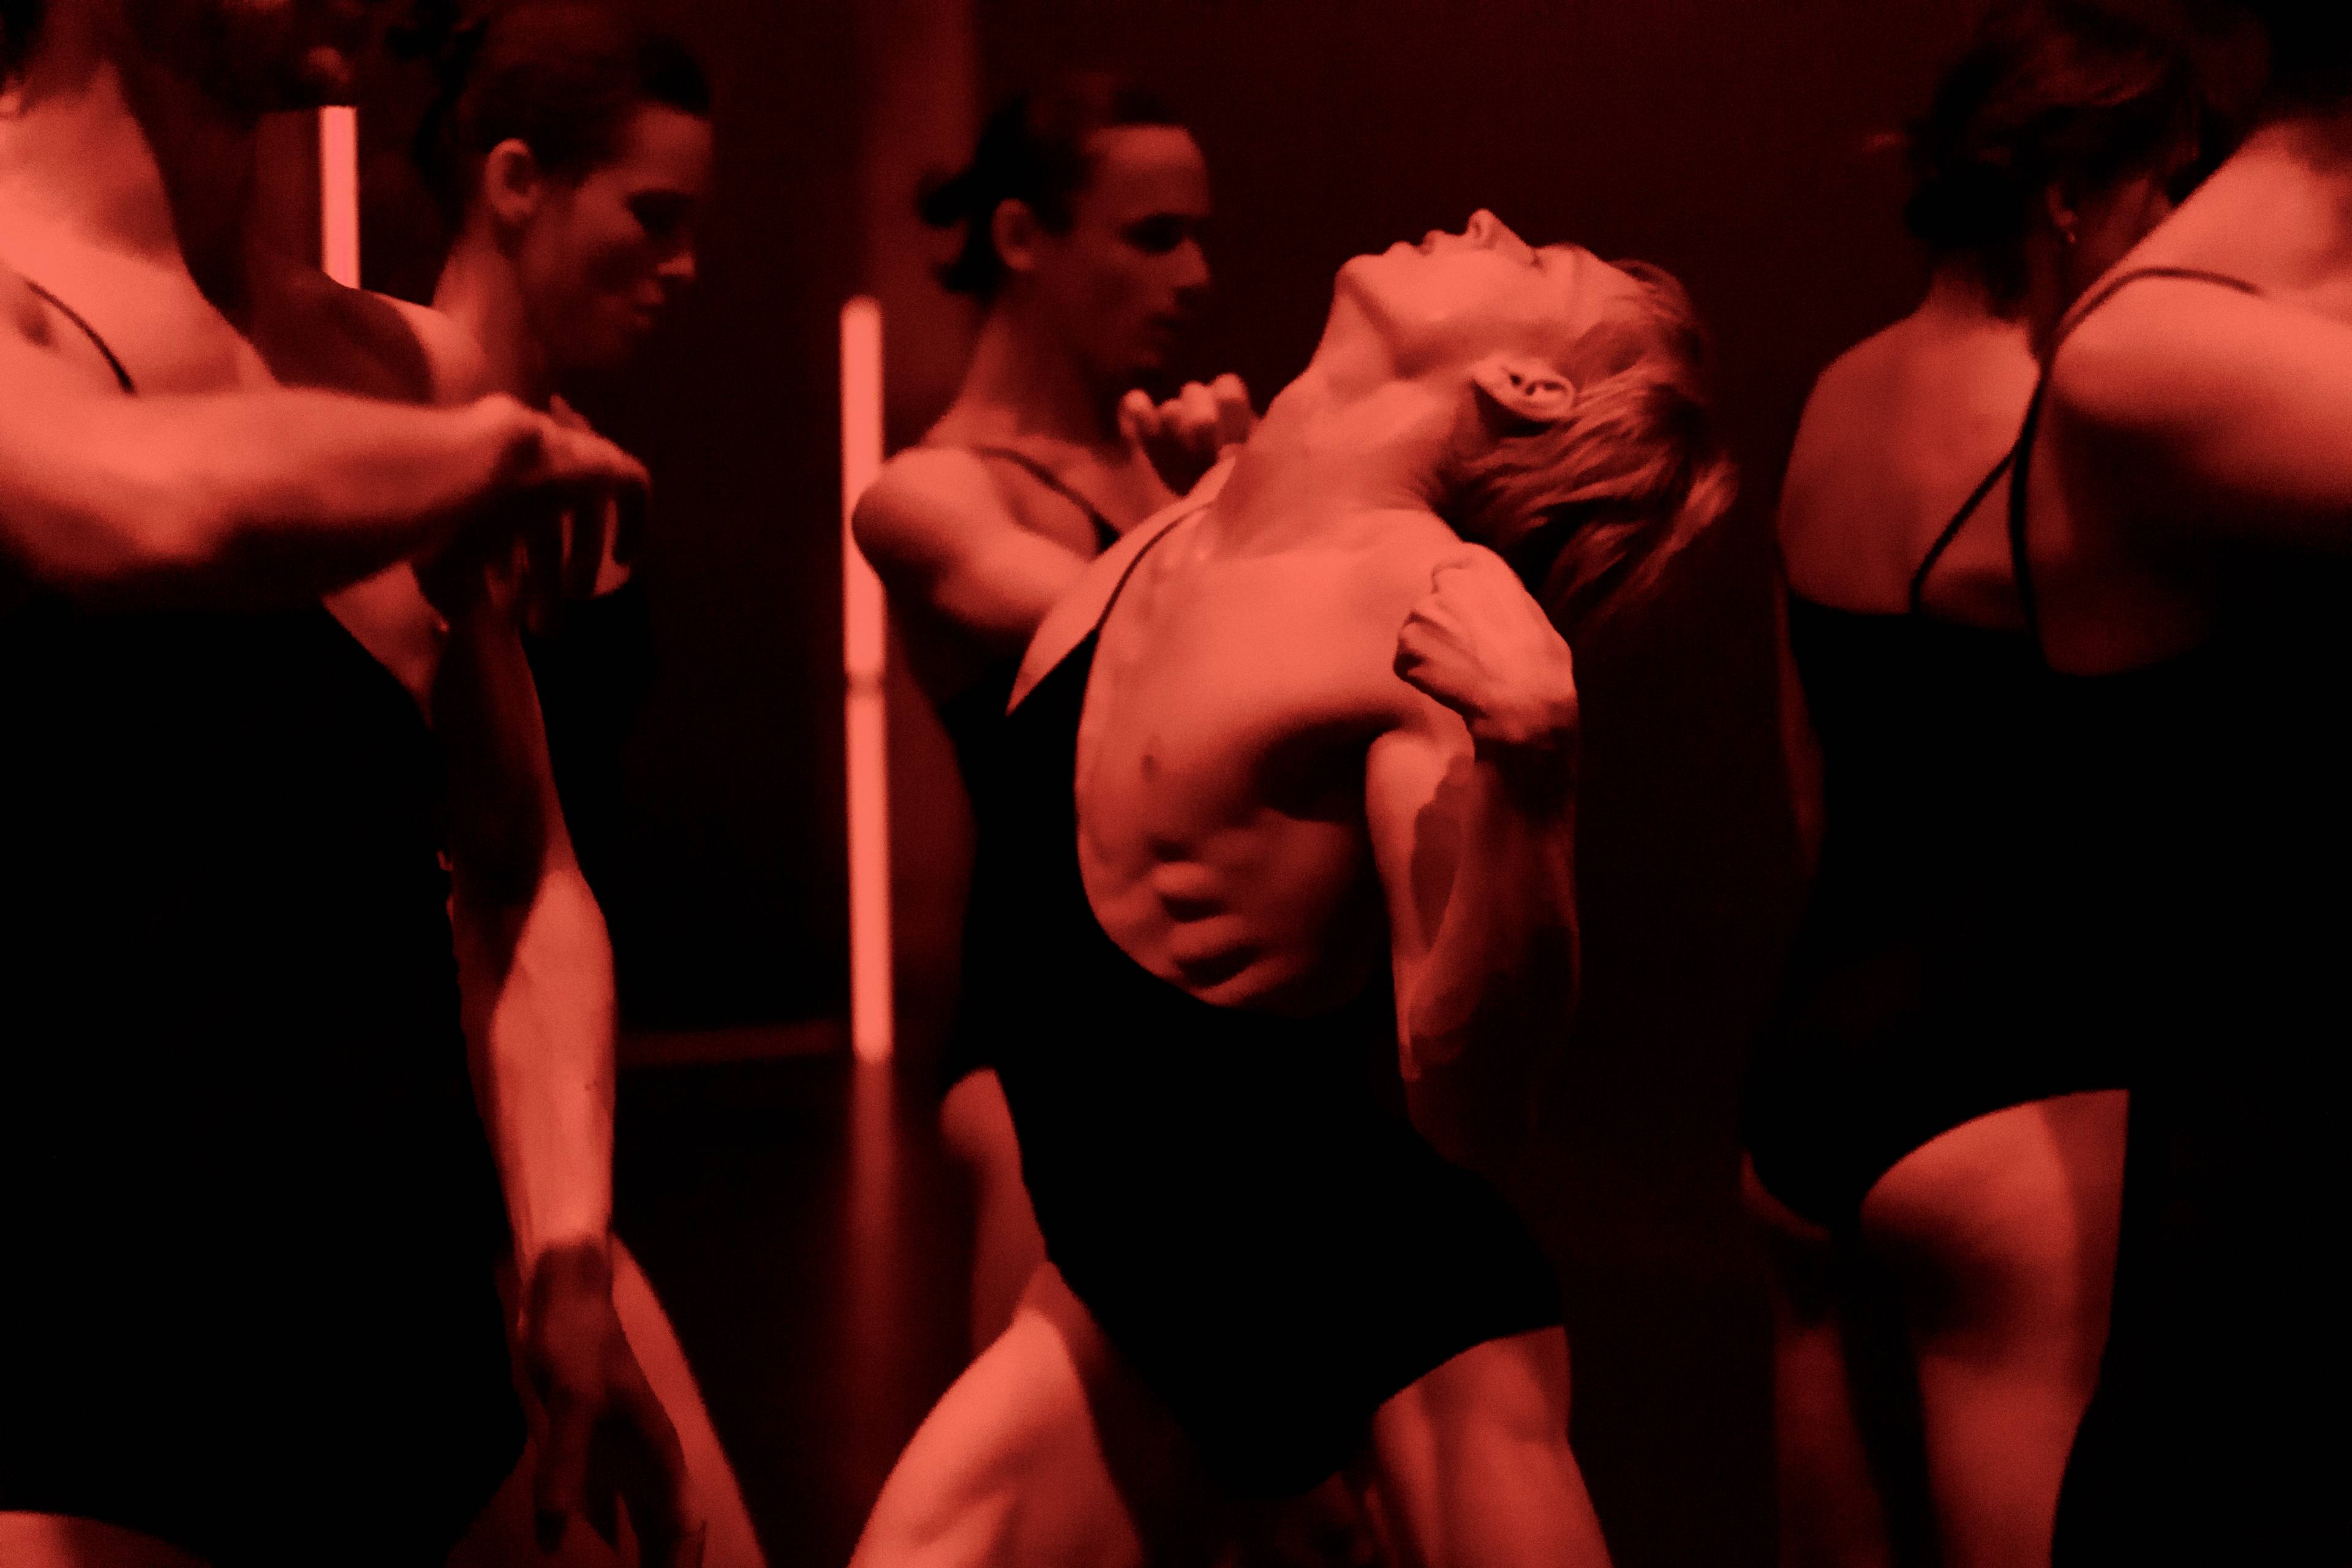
(1728, 141)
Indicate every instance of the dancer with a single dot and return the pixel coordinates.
(2180, 517)
(1081, 210)
(244, 1173)
(571, 152)
(1284, 805)
(1919, 1137)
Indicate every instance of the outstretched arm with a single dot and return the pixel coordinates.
(251, 499)
(1471, 805)
(939, 536)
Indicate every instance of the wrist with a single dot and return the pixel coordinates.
(1535, 764)
(514, 436)
(567, 1267)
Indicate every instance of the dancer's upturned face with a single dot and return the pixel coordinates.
(1128, 278)
(1455, 298)
(603, 258)
(255, 57)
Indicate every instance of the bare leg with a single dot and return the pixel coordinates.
(1006, 1245)
(1474, 1466)
(50, 1540)
(2003, 1233)
(1044, 1452)
(1832, 1514)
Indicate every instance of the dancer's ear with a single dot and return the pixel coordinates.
(1015, 229)
(1523, 389)
(512, 183)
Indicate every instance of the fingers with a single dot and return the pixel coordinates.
(563, 1474)
(1236, 417)
(540, 567)
(654, 1485)
(1197, 417)
(1138, 418)
(586, 528)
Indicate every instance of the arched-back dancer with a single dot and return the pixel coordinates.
(1284, 801)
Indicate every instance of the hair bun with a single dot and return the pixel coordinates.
(943, 200)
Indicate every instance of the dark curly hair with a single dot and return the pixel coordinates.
(2049, 90)
(562, 77)
(19, 20)
(1034, 151)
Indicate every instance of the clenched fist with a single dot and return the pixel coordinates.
(1480, 645)
(1185, 436)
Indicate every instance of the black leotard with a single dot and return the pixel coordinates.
(1238, 1198)
(2214, 844)
(975, 717)
(1909, 1006)
(249, 1217)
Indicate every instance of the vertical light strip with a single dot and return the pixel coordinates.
(338, 194)
(863, 627)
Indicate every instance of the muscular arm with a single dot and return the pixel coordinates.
(534, 963)
(535, 974)
(238, 498)
(2212, 412)
(939, 536)
(1470, 802)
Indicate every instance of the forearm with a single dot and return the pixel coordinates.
(250, 499)
(1499, 982)
(537, 987)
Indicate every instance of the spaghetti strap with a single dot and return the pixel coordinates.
(1149, 546)
(121, 376)
(2019, 557)
(1952, 530)
(1106, 534)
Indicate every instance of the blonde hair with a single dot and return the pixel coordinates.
(1590, 508)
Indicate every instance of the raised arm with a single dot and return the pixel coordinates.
(939, 536)
(1471, 807)
(2205, 410)
(251, 499)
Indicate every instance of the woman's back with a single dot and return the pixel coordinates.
(1898, 432)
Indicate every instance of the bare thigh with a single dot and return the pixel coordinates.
(1045, 1451)
(50, 1540)
(2001, 1235)
(1472, 1463)
(1830, 1481)
(1007, 1248)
